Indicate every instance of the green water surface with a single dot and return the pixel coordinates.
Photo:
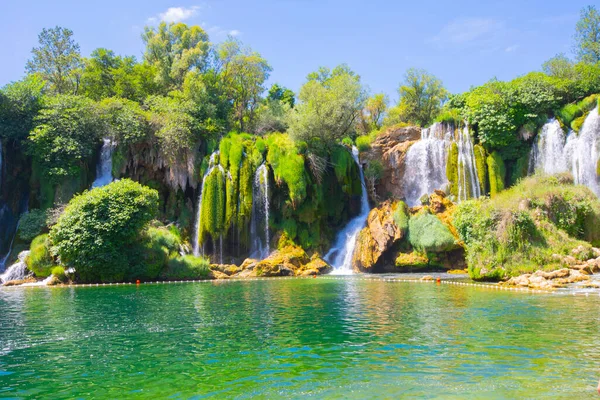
(318, 338)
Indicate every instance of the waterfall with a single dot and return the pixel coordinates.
(259, 224)
(579, 153)
(17, 271)
(425, 163)
(104, 167)
(340, 255)
(212, 164)
(547, 154)
(468, 180)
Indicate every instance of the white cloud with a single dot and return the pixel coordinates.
(468, 30)
(175, 14)
(235, 32)
(512, 48)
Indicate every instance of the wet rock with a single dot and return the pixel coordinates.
(18, 282)
(318, 265)
(377, 237)
(218, 275)
(227, 269)
(283, 262)
(427, 278)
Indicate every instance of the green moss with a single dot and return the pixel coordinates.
(401, 216)
(343, 165)
(497, 173)
(452, 169)
(568, 113)
(39, 260)
(520, 169)
(413, 260)
(59, 273)
(288, 166)
(31, 224)
(481, 167)
(119, 161)
(598, 168)
(578, 123)
(428, 234)
(213, 205)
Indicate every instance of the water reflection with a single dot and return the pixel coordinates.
(351, 338)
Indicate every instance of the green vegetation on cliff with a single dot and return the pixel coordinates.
(527, 227)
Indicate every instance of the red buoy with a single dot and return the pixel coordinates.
(438, 280)
(137, 282)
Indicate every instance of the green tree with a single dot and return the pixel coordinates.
(67, 133)
(283, 94)
(330, 104)
(421, 97)
(174, 50)
(99, 228)
(57, 60)
(19, 104)
(125, 120)
(559, 66)
(243, 73)
(372, 115)
(587, 35)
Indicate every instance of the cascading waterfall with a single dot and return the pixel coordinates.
(17, 271)
(212, 164)
(104, 168)
(425, 163)
(579, 153)
(259, 225)
(547, 154)
(340, 255)
(468, 180)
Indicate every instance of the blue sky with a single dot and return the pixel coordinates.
(464, 43)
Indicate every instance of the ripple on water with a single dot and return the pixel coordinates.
(294, 338)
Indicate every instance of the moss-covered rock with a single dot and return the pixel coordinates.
(497, 173)
(40, 260)
(428, 234)
(452, 169)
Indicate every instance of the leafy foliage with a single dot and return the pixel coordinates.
(68, 130)
(98, 227)
(40, 260)
(31, 224)
(330, 104)
(19, 104)
(421, 97)
(587, 35)
(57, 60)
(428, 234)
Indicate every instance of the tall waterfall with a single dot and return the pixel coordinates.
(340, 255)
(425, 163)
(16, 271)
(468, 180)
(212, 164)
(259, 225)
(579, 153)
(104, 168)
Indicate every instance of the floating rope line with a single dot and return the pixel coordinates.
(327, 277)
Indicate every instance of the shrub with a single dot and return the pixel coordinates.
(401, 216)
(98, 227)
(186, 267)
(59, 273)
(39, 260)
(428, 234)
(288, 166)
(32, 224)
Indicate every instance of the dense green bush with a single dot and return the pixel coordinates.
(99, 226)
(68, 130)
(401, 216)
(186, 267)
(31, 224)
(288, 166)
(428, 234)
(523, 228)
(497, 173)
(39, 260)
(59, 273)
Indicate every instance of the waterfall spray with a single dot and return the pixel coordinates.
(468, 180)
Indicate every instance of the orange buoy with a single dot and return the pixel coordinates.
(438, 280)
(314, 276)
(137, 282)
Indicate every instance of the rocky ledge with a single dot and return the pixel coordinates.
(289, 261)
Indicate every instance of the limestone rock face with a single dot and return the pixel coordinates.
(390, 149)
(377, 237)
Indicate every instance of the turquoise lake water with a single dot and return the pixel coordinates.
(294, 338)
